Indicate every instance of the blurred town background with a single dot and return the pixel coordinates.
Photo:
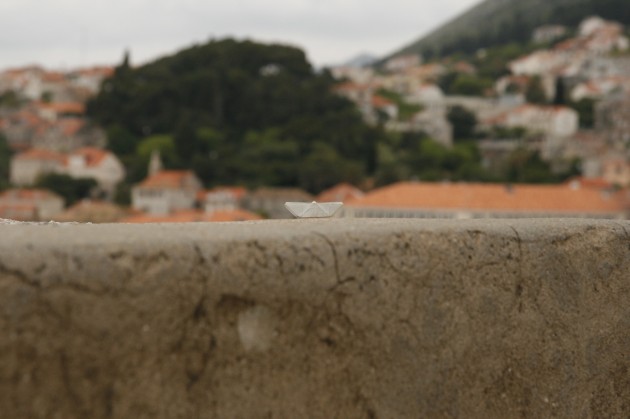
(512, 109)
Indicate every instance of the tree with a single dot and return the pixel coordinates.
(469, 85)
(69, 188)
(524, 166)
(560, 92)
(220, 108)
(463, 121)
(586, 111)
(10, 99)
(535, 92)
(267, 160)
(120, 141)
(5, 159)
(165, 145)
(324, 168)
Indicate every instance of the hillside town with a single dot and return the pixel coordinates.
(568, 100)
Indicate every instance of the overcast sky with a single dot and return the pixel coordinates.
(63, 34)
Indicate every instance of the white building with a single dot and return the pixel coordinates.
(30, 204)
(166, 191)
(403, 62)
(427, 95)
(100, 165)
(26, 167)
(590, 25)
(548, 33)
(555, 121)
(222, 198)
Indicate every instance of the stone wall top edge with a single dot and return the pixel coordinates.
(61, 234)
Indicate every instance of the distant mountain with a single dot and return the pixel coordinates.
(496, 22)
(362, 60)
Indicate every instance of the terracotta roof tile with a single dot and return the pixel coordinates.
(187, 216)
(92, 156)
(53, 77)
(27, 194)
(167, 179)
(594, 183)
(492, 197)
(237, 192)
(64, 107)
(41, 155)
(96, 71)
(380, 101)
(342, 192)
(70, 126)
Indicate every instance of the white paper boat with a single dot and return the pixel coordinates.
(313, 209)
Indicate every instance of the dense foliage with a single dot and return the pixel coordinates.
(236, 112)
(71, 189)
(464, 122)
(252, 114)
(499, 22)
(5, 158)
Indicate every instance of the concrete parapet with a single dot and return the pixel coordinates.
(316, 318)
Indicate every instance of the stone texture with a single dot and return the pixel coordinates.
(316, 318)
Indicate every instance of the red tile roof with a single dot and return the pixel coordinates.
(351, 87)
(27, 194)
(492, 197)
(41, 155)
(237, 192)
(53, 77)
(64, 107)
(19, 212)
(594, 183)
(186, 216)
(380, 101)
(96, 71)
(340, 193)
(167, 179)
(92, 156)
(70, 126)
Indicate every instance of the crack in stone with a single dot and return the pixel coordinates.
(626, 233)
(68, 385)
(19, 275)
(519, 241)
(335, 257)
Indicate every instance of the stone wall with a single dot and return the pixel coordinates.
(316, 318)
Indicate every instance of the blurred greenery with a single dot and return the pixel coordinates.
(5, 159)
(71, 189)
(405, 110)
(463, 121)
(586, 111)
(10, 99)
(236, 112)
(493, 23)
(535, 92)
(453, 83)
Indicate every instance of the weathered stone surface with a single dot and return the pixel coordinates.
(316, 318)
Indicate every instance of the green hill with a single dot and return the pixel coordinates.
(236, 112)
(498, 22)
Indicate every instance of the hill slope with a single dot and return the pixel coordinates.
(496, 22)
(236, 112)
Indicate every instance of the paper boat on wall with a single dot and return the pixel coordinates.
(313, 209)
